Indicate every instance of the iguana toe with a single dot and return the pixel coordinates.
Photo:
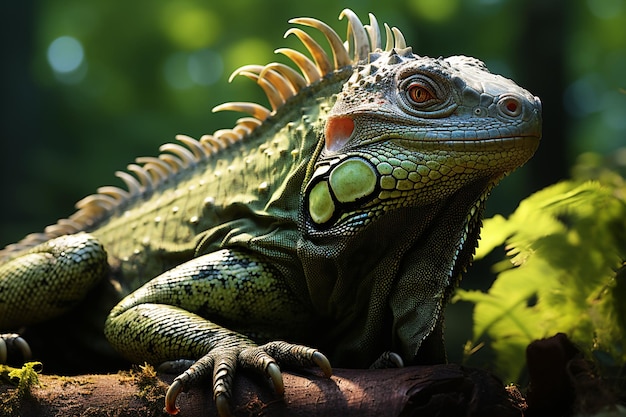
(175, 367)
(265, 359)
(298, 356)
(388, 360)
(12, 345)
(3, 350)
(195, 372)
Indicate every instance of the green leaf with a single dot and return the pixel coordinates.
(566, 245)
(494, 233)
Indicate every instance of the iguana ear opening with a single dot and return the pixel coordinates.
(337, 132)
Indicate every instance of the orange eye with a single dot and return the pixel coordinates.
(419, 94)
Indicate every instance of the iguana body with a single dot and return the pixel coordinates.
(336, 220)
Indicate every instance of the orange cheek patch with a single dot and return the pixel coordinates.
(337, 132)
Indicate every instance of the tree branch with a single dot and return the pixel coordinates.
(424, 391)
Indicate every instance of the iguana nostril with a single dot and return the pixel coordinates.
(538, 104)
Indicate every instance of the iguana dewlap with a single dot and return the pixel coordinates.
(341, 218)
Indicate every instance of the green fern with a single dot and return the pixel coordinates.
(567, 246)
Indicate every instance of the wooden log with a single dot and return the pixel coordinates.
(440, 390)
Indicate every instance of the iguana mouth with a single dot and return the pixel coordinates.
(472, 143)
(460, 145)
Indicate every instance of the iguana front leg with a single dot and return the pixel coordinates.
(171, 316)
(45, 282)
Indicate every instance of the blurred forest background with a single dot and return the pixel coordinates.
(87, 86)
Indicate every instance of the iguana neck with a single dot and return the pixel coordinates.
(387, 269)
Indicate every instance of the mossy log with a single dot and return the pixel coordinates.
(425, 391)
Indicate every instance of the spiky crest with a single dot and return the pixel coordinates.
(279, 82)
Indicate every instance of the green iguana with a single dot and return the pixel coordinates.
(342, 219)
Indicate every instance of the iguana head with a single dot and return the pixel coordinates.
(409, 130)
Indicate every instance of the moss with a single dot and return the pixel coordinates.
(151, 390)
(23, 379)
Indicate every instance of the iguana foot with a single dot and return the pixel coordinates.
(263, 359)
(13, 346)
(388, 360)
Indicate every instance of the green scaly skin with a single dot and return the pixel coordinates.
(342, 222)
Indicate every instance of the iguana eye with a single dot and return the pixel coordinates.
(424, 94)
(418, 93)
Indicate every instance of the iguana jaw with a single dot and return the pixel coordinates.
(524, 144)
(352, 188)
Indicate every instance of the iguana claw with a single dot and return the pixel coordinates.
(324, 364)
(223, 406)
(273, 371)
(221, 400)
(13, 342)
(171, 395)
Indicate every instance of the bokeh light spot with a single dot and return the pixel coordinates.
(434, 10)
(65, 54)
(185, 69)
(189, 26)
(248, 50)
(605, 9)
(205, 67)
